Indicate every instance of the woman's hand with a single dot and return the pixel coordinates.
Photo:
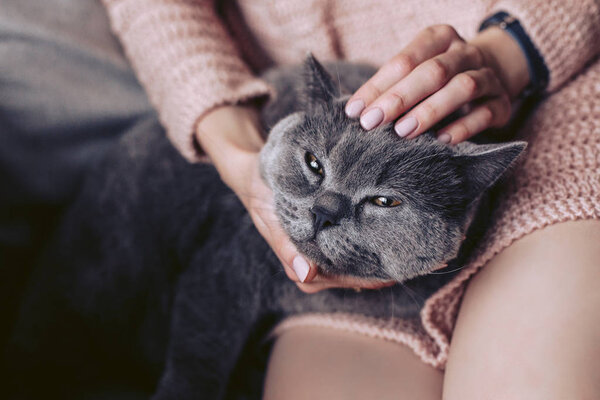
(439, 73)
(231, 137)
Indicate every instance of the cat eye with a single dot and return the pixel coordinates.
(313, 163)
(382, 201)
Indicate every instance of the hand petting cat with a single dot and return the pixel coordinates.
(231, 138)
(435, 75)
(439, 73)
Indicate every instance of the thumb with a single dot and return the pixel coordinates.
(296, 267)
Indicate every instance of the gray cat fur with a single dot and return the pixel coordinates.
(158, 274)
(440, 186)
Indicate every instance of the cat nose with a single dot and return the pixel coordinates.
(329, 209)
(323, 218)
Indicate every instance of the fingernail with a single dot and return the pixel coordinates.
(445, 138)
(354, 108)
(441, 266)
(301, 268)
(372, 118)
(406, 126)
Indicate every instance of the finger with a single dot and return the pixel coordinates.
(296, 267)
(368, 284)
(270, 232)
(462, 89)
(427, 44)
(312, 287)
(317, 287)
(340, 281)
(426, 79)
(494, 112)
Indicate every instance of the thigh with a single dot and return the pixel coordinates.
(322, 363)
(529, 324)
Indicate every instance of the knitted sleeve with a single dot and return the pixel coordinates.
(185, 59)
(566, 33)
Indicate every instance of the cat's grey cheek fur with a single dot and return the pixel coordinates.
(270, 154)
(295, 216)
(411, 242)
(276, 159)
(422, 244)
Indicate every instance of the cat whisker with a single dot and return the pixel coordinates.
(337, 72)
(281, 271)
(393, 304)
(413, 295)
(445, 272)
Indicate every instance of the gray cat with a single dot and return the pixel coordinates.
(159, 283)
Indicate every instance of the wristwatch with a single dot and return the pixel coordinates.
(538, 71)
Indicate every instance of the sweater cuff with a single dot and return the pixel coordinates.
(565, 33)
(186, 61)
(183, 108)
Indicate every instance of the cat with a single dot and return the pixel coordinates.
(158, 282)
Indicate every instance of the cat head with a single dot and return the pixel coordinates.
(372, 204)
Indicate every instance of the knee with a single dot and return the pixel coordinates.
(528, 325)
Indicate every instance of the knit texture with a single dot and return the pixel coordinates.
(189, 63)
(185, 59)
(558, 180)
(565, 32)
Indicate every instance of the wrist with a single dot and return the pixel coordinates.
(232, 126)
(504, 55)
(231, 137)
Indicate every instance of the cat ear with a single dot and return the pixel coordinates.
(319, 88)
(483, 165)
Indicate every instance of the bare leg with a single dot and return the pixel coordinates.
(321, 363)
(529, 325)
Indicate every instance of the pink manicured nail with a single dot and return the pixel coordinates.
(301, 268)
(372, 118)
(445, 138)
(354, 108)
(442, 266)
(406, 126)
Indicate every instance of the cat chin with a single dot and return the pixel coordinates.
(311, 249)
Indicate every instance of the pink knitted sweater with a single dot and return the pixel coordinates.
(192, 56)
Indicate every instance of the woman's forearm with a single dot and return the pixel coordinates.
(229, 134)
(184, 57)
(565, 33)
(505, 56)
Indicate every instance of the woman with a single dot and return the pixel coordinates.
(518, 313)
(537, 292)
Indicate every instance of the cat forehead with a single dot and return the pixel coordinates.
(347, 146)
(354, 157)
(331, 130)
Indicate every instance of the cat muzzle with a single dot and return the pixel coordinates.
(329, 209)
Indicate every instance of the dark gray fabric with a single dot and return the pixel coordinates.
(66, 91)
(66, 94)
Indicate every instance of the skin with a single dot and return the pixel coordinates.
(535, 337)
(322, 363)
(231, 138)
(436, 75)
(495, 70)
(539, 342)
